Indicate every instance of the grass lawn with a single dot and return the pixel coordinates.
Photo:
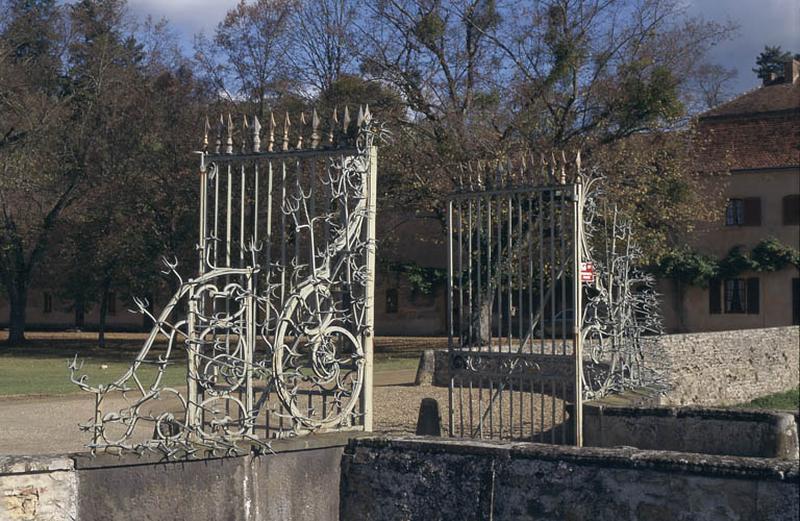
(788, 400)
(41, 367)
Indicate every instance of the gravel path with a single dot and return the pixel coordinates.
(49, 424)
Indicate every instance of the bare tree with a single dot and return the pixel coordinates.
(323, 42)
(248, 56)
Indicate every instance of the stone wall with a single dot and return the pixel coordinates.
(728, 367)
(716, 368)
(732, 432)
(299, 481)
(434, 479)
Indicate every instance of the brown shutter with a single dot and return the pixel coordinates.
(791, 209)
(752, 211)
(752, 296)
(714, 301)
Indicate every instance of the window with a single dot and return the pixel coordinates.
(112, 303)
(743, 212)
(48, 303)
(739, 296)
(791, 209)
(734, 212)
(391, 300)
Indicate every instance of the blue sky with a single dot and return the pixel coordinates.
(762, 22)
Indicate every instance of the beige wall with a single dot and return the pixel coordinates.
(62, 315)
(775, 289)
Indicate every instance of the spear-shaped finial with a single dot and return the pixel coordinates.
(367, 114)
(245, 128)
(314, 129)
(206, 129)
(303, 125)
(552, 165)
(286, 124)
(334, 124)
(229, 138)
(256, 134)
(578, 162)
(218, 143)
(563, 168)
(346, 120)
(360, 117)
(271, 141)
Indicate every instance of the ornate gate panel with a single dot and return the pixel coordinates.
(515, 311)
(277, 325)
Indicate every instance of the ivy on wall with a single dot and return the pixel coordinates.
(696, 269)
(423, 280)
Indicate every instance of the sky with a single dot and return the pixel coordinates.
(761, 22)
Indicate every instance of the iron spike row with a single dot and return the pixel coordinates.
(286, 124)
(271, 142)
(220, 129)
(229, 136)
(345, 124)
(334, 125)
(256, 135)
(245, 128)
(206, 130)
(314, 129)
(300, 131)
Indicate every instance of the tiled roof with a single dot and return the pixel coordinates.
(772, 98)
(759, 129)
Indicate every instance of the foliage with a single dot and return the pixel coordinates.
(772, 255)
(770, 62)
(785, 401)
(688, 267)
(423, 280)
(696, 269)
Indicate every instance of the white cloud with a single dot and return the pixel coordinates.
(188, 17)
(761, 22)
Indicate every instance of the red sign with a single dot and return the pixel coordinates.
(587, 272)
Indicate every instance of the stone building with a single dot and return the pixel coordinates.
(757, 135)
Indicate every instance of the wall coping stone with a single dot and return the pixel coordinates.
(86, 460)
(708, 413)
(736, 467)
(10, 465)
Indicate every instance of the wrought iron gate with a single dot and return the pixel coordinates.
(277, 325)
(515, 311)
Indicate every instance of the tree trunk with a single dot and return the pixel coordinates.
(101, 332)
(18, 300)
(80, 312)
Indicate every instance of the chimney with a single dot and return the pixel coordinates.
(791, 71)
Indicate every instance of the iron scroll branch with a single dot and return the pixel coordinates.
(263, 334)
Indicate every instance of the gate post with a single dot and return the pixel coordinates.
(371, 188)
(577, 288)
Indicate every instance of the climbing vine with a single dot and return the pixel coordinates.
(696, 269)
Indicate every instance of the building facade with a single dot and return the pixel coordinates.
(758, 136)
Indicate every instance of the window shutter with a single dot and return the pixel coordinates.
(752, 211)
(752, 296)
(791, 209)
(714, 302)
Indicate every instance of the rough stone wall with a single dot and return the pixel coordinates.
(732, 432)
(440, 480)
(713, 368)
(729, 367)
(38, 488)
